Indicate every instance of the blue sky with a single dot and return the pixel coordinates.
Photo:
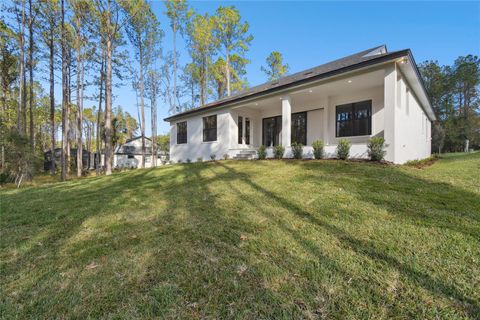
(312, 33)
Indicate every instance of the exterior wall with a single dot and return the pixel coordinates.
(122, 161)
(413, 128)
(396, 116)
(358, 143)
(195, 147)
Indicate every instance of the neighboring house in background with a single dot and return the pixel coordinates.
(129, 154)
(370, 93)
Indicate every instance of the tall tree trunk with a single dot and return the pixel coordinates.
(192, 91)
(24, 101)
(21, 72)
(69, 103)
(154, 125)
(99, 146)
(142, 107)
(30, 69)
(79, 102)
(108, 108)
(52, 101)
(175, 67)
(65, 114)
(227, 66)
(206, 79)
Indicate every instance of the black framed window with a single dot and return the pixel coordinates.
(299, 128)
(210, 128)
(354, 119)
(247, 130)
(240, 129)
(182, 132)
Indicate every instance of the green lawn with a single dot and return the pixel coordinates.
(247, 240)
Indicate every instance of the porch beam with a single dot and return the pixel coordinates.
(286, 121)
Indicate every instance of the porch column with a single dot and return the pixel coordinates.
(286, 121)
(390, 99)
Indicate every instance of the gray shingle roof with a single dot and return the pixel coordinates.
(360, 59)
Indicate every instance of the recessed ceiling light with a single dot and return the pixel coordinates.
(310, 90)
(256, 104)
(349, 81)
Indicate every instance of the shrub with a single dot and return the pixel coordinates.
(199, 159)
(262, 152)
(278, 152)
(376, 148)
(213, 156)
(226, 156)
(318, 152)
(179, 161)
(343, 149)
(297, 150)
(189, 161)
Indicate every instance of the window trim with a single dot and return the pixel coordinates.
(352, 105)
(186, 132)
(205, 131)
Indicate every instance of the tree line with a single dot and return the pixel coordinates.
(454, 94)
(91, 46)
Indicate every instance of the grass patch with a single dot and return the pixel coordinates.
(247, 240)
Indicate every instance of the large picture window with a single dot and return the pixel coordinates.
(299, 128)
(354, 119)
(210, 128)
(182, 132)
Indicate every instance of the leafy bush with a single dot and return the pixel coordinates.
(278, 152)
(188, 160)
(318, 152)
(343, 149)
(262, 152)
(199, 159)
(226, 156)
(213, 156)
(376, 148)
(297, 150)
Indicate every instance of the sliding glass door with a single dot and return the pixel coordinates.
(272, 129)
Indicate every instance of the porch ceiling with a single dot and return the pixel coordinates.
(309, 95)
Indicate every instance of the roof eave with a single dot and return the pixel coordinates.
(323, 76)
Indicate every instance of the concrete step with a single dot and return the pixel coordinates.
(243, 156)
(252, 152)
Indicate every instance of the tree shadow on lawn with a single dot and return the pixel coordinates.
(407, 197)
(192, 194)
(189, 227)
(368, 248)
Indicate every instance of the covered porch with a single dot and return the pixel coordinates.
(322, 111)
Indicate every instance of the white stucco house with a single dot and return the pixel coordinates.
(129, 154)
(370, 93)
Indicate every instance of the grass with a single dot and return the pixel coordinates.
(247, 240)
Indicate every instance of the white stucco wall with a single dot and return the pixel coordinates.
(396, 116)
(195, 147)
(413, 128)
